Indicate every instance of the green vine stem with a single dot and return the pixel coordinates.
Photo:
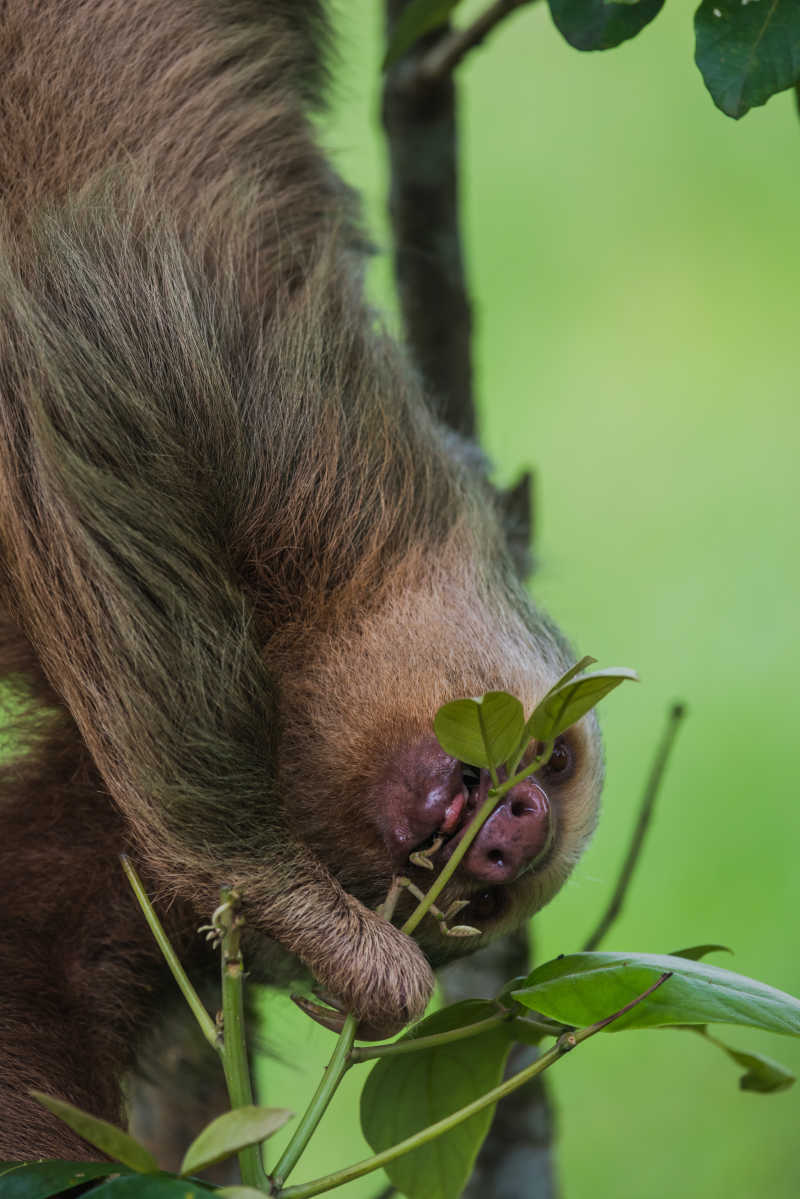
(233, 1049)
(366, 1053)
(564, 1044)
(194, 1001)
(334, 1072)
(480, 818)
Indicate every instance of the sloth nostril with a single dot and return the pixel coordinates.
(514, 837)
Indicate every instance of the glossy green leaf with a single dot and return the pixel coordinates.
(598, 25)
(526, 736)
(42, 1180)
(747, 52)
(114, 1142)
(572, 673)
(231, 1132)
(407, 1093)
(151, 1186)
(483, 732)
(418, 18)
(565, 704)
(583, 988)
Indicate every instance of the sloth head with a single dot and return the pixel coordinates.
(359, 716)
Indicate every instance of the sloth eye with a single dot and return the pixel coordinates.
(561, 763)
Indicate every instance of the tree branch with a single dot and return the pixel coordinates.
(640, 831)
(420, 121)
(442, 59)
(421, 134)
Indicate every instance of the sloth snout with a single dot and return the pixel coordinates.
(517, 835)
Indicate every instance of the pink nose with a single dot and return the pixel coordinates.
(516, 834)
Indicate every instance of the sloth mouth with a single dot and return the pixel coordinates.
(517, 839)
(425, 806)
(437, 848)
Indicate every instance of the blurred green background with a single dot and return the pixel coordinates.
(634, 257)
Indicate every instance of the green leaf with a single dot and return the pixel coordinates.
(597, 25)
(585, 987)
(565, 704)
(572, 673)
(112, 1141)
(483, 732)
(151, 1186)
(405, 1094)
(239, 1193)
(696, 952)
(525, 736)
(231, 1132)
(747, 52)
(41, 1180)
(418, 18)
(762, 1074)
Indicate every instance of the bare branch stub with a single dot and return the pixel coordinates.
(443, 58)
(646, 809)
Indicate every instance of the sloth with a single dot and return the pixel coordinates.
(241, 562)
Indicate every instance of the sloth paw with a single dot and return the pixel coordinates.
(383, 977)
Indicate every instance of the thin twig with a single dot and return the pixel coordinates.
(442, 59)
(194, 1001)
(366, 1053)
(334, 1072)
(647, 806)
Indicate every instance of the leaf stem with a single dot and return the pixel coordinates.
(564, 1044)
(194, 1001)
(234, 1046)
(334, 1072)
(363, 1053)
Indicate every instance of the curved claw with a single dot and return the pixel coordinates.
(334, 1020)
(327, 1017)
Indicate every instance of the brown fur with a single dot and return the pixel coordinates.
(241, 564)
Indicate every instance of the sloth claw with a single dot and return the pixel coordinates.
(333, 1019)
(329, 1018)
